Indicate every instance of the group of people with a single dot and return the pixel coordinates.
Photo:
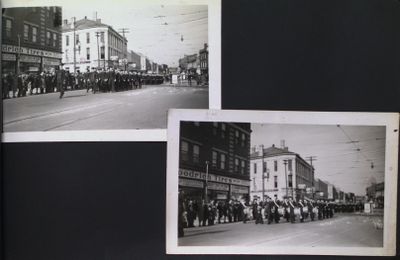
(271, 210)
(97, 80)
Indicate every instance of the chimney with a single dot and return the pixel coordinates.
(273, 145)
(282, 144)
(85, 17)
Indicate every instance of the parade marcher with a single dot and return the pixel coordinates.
(267, 210)
(59, 78)
(310, 206)
(285, 205)
(276, 205)
(200, 212)
(291, 210)
(301, 206)
(190, 214)
(255, 209)
(320, 207)
(21, 85)
(259, 218)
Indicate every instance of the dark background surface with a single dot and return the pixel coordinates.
(107, 200)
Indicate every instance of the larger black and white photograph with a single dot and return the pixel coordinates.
(84, 66)
(277, 185)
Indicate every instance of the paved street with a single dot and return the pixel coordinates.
(135, 109)
(340, 231)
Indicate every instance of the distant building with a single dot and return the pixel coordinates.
(321, 189)
(285, 173)
(225, 148)
(134, 61)
(189, 63)
(376, 193)
(203, 58)
(31, 39)
(96, 45)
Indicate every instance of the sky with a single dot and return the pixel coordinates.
(164, 33)
(343, 153)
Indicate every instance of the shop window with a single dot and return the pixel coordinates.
(276, 166)
(290, 180)
(223, 161)
(102, 52)
(88, 53)
(67, 40)
(87, 37)
(275, 182)
(196, 153)
(26, 32)
(184, 151)
(214, 158)
(8, 23)
(34, 34)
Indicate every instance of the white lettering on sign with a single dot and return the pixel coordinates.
(239, 189)
(30, 59)
(217, 186)
(8, 57)
(212, 177)
(190, 183)
(29, 51)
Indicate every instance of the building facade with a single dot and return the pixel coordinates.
(376, 193)
(218, 153)
(203, 59)
(278, 171)
(321, 189)
(134, 61)
(95, 45)
(31, 39)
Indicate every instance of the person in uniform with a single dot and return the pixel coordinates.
(267, 210)
(59, 78)
(301, 206)
(292, 206)
(310, 206)
(285, 205)
(276, 205)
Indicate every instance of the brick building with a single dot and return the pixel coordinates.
(218, 152)
(31, 39)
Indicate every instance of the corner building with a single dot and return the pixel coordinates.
(225, 148)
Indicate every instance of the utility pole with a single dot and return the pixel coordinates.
(73, 24)
(18, 55)
(206, 187)
(262, 169)
(98, 50)
(123, 31)
(285, 162)
(311, 159)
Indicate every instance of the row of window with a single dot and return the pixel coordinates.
(220, 129)
(77, 41)
(191, 153)
(290, 182)
(102, 53)
(289, 166)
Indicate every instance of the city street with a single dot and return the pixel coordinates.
(144, 108)
(344, 230)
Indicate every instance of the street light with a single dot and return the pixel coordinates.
(263, 176)
(206, 187)
(285, 162)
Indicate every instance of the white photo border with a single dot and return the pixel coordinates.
(150, 135)
(390, 120)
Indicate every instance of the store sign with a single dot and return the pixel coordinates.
(51, 62)
(212, 177)
(217, 186)
(239, 189)
(190, 183)
(8, 57)
(29, 59)
(29, 51)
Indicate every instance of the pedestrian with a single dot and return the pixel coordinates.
(59, 78)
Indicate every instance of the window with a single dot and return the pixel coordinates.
(214, 158)
(290, 165)
(66, 55)
(223, 161)
(48, 38)
(290, 180)
(196, 123)
(76, 38)
(275, 182)
(243, 139)
(184, 150)
(8, 28)
(254, 184)
(54, 40)
(236, 137)
(87, 37)
(223, 130)
(88, 53)
(102, 37)
(276, 166)
(236, 164)
(26, 32)
(102, 52)
(67, 40)
(196, 153)
(243, 166)
(264, 166)
(34, 34)
(255, 167)
(215, 128)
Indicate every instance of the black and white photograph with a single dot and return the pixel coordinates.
(94, 66)
(274, 185)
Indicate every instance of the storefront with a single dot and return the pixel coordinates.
(194, 185)
(29, 60)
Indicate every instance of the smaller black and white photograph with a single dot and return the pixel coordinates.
(100, 66)
(314, 183)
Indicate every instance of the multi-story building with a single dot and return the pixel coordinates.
(218, 153)
(320, 189)
(203, 59)
(134, 61)
(189, 63)
(94, 45)
(31, 39)
(376, 193)
(278, 171)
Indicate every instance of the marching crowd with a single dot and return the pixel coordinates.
(270, 210)
(103, 80)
